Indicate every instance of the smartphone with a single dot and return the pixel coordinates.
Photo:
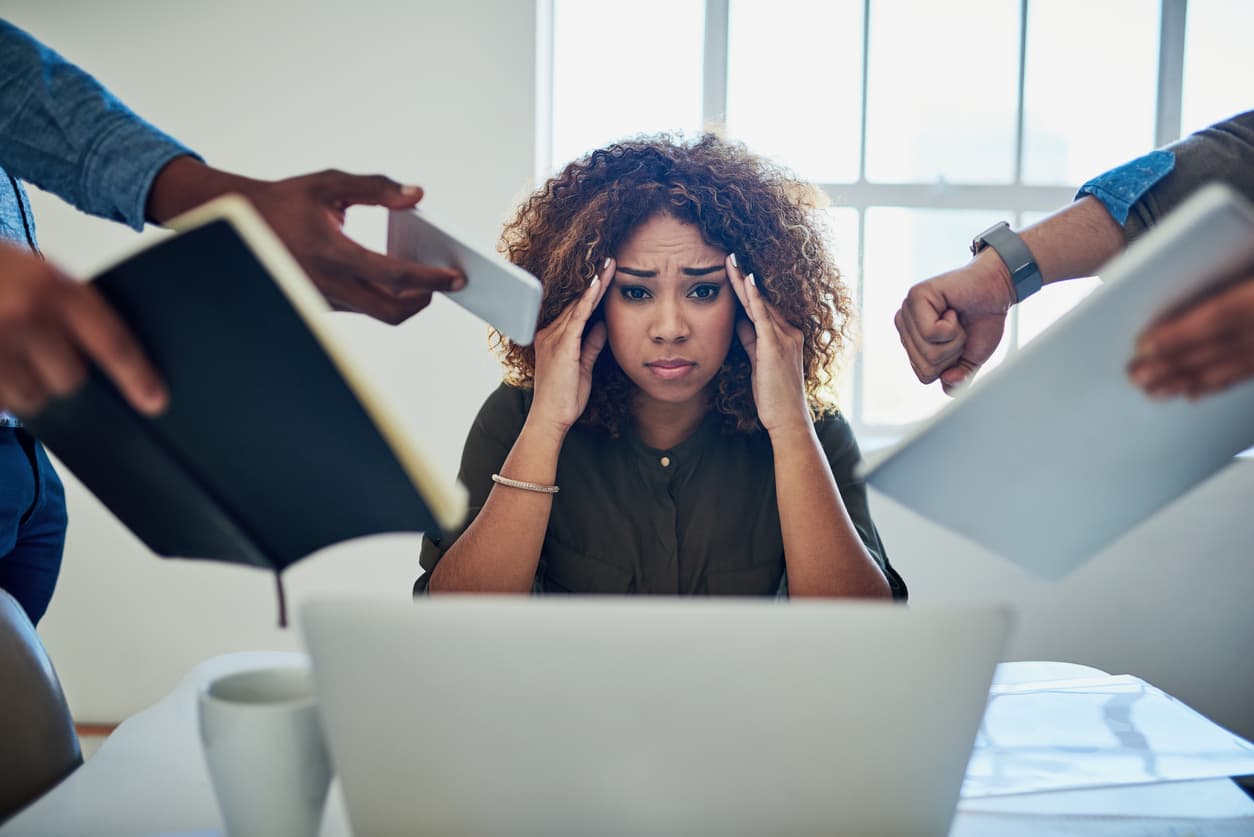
(497, 291)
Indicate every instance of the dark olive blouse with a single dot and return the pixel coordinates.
(698, 519)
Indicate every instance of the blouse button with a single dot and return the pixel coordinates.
(666, 461)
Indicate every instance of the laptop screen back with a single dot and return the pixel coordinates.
(650, 716)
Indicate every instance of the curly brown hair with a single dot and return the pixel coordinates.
(741, 203)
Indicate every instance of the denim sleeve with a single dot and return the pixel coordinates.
(1121, 187)
(1140, 193)
(64, 132)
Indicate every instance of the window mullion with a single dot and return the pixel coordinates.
(1170, 71)
(714, 83)
(866, 64)
(858, 381)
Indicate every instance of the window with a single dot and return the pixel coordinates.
(924, 122)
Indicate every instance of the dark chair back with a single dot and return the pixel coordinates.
(37, 733)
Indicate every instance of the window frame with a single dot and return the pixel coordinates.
(1017, 197)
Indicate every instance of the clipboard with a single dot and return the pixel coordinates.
(1055, 455)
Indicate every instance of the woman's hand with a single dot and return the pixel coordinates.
(776, 350)
(564, 359)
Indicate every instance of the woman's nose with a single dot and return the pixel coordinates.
(669, 325)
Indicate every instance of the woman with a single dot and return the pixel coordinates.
(672, 429)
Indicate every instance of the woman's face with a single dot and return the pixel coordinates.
(670, 313)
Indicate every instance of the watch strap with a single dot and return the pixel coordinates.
(1025, 276)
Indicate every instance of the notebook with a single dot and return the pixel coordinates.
(648, 716)
(1056, 455)
(274, 444)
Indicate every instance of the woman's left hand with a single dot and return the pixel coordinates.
(776, 350)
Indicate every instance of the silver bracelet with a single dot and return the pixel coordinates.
(525, 486)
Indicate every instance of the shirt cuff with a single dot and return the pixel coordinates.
(121, 166)
(1121, 187)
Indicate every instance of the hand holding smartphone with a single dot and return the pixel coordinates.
(498, 292)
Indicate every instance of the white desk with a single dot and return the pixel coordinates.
(149, 778)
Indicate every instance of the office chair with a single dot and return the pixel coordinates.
(36, 730)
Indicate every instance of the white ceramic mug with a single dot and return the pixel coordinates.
(263, 743)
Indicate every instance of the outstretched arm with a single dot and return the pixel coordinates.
(307, 213)
(63, 131)
(951, 324)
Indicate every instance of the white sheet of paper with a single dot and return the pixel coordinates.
(1055, 455)
(1095, 732)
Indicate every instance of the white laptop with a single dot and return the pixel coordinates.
(647, 716)
(1056, 454)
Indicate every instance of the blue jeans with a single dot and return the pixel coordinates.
(32, 521)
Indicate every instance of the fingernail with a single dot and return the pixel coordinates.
(752, 280)
(410, 190)
(607, 263)
(735, 263)
(458, 283)
(596, 280)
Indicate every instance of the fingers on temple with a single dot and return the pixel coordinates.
(748, 337)
(736, 278)
(581, 310)
(593, 343)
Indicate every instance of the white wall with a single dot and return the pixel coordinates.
(441, 92)
(437, 92)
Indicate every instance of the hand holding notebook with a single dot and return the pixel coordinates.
(274, 444)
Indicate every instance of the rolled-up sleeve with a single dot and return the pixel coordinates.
(61, 130)
(1139, 193)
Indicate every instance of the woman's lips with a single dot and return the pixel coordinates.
(669, 370)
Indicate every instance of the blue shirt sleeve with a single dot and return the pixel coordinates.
(1121, 187)
(61, 130)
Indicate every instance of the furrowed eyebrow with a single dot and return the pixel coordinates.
(702, 271)
(687, 271)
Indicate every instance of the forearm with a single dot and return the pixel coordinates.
(823, 554)
(1075, 241)
(63, 131)
(500, 550)
(186, 182)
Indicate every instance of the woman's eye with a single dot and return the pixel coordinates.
(704, 292)
(633, 293)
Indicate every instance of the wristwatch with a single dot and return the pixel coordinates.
(1024, 274)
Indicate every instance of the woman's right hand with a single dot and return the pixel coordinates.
(564, 359)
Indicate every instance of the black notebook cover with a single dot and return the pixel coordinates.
(272, 447)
